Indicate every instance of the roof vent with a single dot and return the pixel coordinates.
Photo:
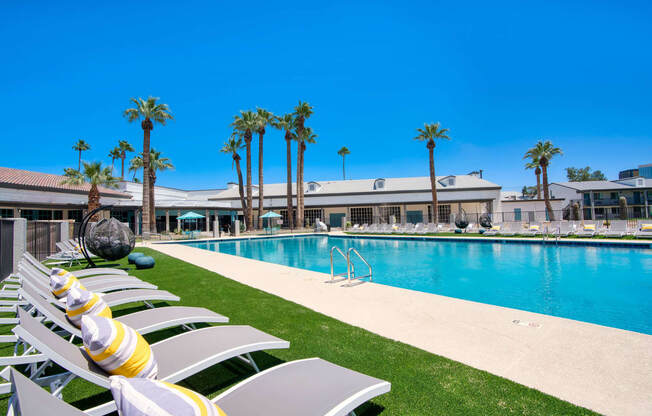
(379, 184)
(232, 185)
(313, 187)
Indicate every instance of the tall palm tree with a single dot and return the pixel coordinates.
(232, 146)
(80, 146)
(124, 147)
(157, 164)
(429, 133)
(343, 152)
(534, 164)
(94, 174)
(245, 123)
(114, 154)
(307, 136)
(544, 152)
(149, 112)
(287, 123)
(263, 118)
(135, 164)
(302, 111)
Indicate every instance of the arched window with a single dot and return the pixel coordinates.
(379, 184)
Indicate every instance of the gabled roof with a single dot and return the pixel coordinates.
(357, 186)
(595, 186)
(37, 181)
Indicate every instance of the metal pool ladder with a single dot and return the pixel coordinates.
(350, 267)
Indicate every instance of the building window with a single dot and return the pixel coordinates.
(387, 212)
(517, 214)
(311, 215)
(284, 217)
(444, 213)
(76, 214)
(36, 214)
(379, 184)
(587, 199)
(614, 195)
(362, 215)
(6, 213)
(57, 214)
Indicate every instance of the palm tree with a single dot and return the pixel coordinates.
(263, 118)
(307, 136)
(429, 133)
(544, 152)
(124, 147)
(343, 152)
(302, 111)
(96, 176)
(150, 112)
(80, 146)
(114, 154)
(232, 146)
(287, 123)
(157, 164)
(245, 123)
(135, 164)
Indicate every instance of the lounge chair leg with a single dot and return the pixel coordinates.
(58, 385)
(249, 361)
(148, 304)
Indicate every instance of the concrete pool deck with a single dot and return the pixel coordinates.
(604, 369)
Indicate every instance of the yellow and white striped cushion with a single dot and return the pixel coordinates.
(495, 228)
(81, 302)
(589, 227)
(534, 228)
(61, 281)
(144, 397)
(646, 227)
(117, 348)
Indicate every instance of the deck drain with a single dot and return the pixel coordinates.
(526, 323)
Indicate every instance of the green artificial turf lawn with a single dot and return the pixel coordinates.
(422, 383)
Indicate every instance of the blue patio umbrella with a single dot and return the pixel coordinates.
(191, 216)
(269, 215)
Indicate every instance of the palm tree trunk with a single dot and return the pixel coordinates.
(433, 181)
(240, 186)
(93, 201)
(122, 171)
(538, 185)
(152, 202)
(261, 198)
(249, 216)
(147, 126)
(302, 222)
(299, 212)
(288, 140)
(79, 162)
(546, 193)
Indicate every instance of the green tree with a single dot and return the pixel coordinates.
(114, 154)
(534, 164)
(263, 118)
(343, 152)
(584, 174)
(287, 123)
(156, 164)
(302, 111)
(232, 146)
(245, 123)
(94, 174)
(429, 133)
(148, 112)
(80, 146)
(544, 152)
(124, 147)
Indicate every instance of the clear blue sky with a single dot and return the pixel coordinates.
(500, 75)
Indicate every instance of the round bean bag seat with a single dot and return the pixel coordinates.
(144, 262)
(131, 258)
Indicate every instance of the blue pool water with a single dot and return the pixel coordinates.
(602, 285)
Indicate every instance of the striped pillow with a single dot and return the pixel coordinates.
(117, 348)
(143, 397)
(589, 227)
(61, 281)
(81, 302)
(646, 227)
(534, 228)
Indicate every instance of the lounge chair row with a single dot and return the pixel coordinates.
(312, 386)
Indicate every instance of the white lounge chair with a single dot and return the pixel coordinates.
(589, 229)
(494, 230)
(617, 228)
(510, 229)
(533, 229)
(643, 229)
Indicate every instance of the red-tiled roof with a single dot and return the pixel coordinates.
(25, 179)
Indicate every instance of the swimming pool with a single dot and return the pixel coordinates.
(603, 285)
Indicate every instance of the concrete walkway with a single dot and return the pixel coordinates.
(604, 369)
